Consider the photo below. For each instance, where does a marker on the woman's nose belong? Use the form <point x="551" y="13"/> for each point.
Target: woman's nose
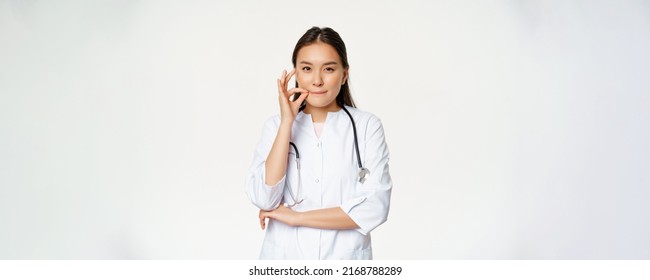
<point x="318" y="81"/>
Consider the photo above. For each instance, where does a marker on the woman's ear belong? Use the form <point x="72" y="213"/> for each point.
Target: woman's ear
<point x="345" y="77"/>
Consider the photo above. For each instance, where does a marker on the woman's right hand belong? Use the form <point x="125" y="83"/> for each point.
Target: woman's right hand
<point x="276" y="161"/>
<point x="289" y="109"/>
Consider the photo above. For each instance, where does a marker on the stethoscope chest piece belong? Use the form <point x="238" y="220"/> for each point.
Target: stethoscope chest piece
<point x="362" y="174"/>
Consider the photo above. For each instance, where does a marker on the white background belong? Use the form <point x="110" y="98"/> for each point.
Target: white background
<point x="517" y="129"/>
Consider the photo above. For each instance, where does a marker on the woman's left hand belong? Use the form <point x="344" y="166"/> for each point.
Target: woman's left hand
<point x="281" y="214"/>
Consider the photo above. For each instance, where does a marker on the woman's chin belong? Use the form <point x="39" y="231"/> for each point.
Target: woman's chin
<point x="320" y="104"/>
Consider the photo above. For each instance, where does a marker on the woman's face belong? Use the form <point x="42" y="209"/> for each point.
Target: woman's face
<point x="320" y="71"/>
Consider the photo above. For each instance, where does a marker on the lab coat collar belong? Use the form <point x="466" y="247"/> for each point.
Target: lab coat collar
<point x="304" y="117"/>
<point x="305" y="123"/>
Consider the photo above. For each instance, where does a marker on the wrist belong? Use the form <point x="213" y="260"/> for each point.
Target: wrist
<point x="299" y="219"/>
<point x="288" y="123"/>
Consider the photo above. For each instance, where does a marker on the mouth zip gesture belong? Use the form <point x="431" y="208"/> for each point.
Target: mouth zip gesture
<point x="289" y="108"/>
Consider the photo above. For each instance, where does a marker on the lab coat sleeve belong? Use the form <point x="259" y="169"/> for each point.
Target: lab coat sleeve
<point x="370" y="205"/>
<point x="264" y="196"/>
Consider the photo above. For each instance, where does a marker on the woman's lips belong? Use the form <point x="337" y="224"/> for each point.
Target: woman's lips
<point x="317" y="92"/>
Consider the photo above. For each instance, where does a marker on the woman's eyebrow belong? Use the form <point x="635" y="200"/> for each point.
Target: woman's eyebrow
<point x="326" y="63"/>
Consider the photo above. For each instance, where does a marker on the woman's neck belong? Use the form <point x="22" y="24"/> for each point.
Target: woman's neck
<point x="320" y="114"/>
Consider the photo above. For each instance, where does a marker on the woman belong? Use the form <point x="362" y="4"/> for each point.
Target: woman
<point x="305" y="176"/>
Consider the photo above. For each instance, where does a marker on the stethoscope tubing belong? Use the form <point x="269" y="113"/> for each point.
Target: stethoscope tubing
<point x="362" y="171"/>
<point x="356" y="142"/>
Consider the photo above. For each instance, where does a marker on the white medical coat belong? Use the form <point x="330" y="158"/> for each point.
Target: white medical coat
<point x="329" y="179"/>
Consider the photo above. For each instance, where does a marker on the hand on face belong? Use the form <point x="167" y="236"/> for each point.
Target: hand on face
<point x="320" y="71"/>
<point x="289" y="109"/>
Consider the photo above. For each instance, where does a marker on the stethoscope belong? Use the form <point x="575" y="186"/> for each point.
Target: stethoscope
<point x="363" y="172"/>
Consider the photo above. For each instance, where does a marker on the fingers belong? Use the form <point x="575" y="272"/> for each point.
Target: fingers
<point x="283" y="82"/>
<point x="292" y="91"/>
<point x="263" y="215"/>
<point x="289" y="106"/>
<point x="286" y="97"/>
<point x="262" y="218"/>
<point x="302" y="97"/>
<point x="286" y="81"/>
<point x="287" y="76"/>
<point x="280" y="89"/>
<point x="284" y="78"/>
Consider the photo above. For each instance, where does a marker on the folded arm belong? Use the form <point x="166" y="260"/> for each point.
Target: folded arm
<point x="328" y="218"/>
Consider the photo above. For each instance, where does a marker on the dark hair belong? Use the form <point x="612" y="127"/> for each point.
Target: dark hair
<point x="328" y="36"/>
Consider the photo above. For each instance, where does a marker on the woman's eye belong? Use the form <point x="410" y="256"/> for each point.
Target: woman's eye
<point x="306" y="68"/>
<point x="329" y="69"/>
